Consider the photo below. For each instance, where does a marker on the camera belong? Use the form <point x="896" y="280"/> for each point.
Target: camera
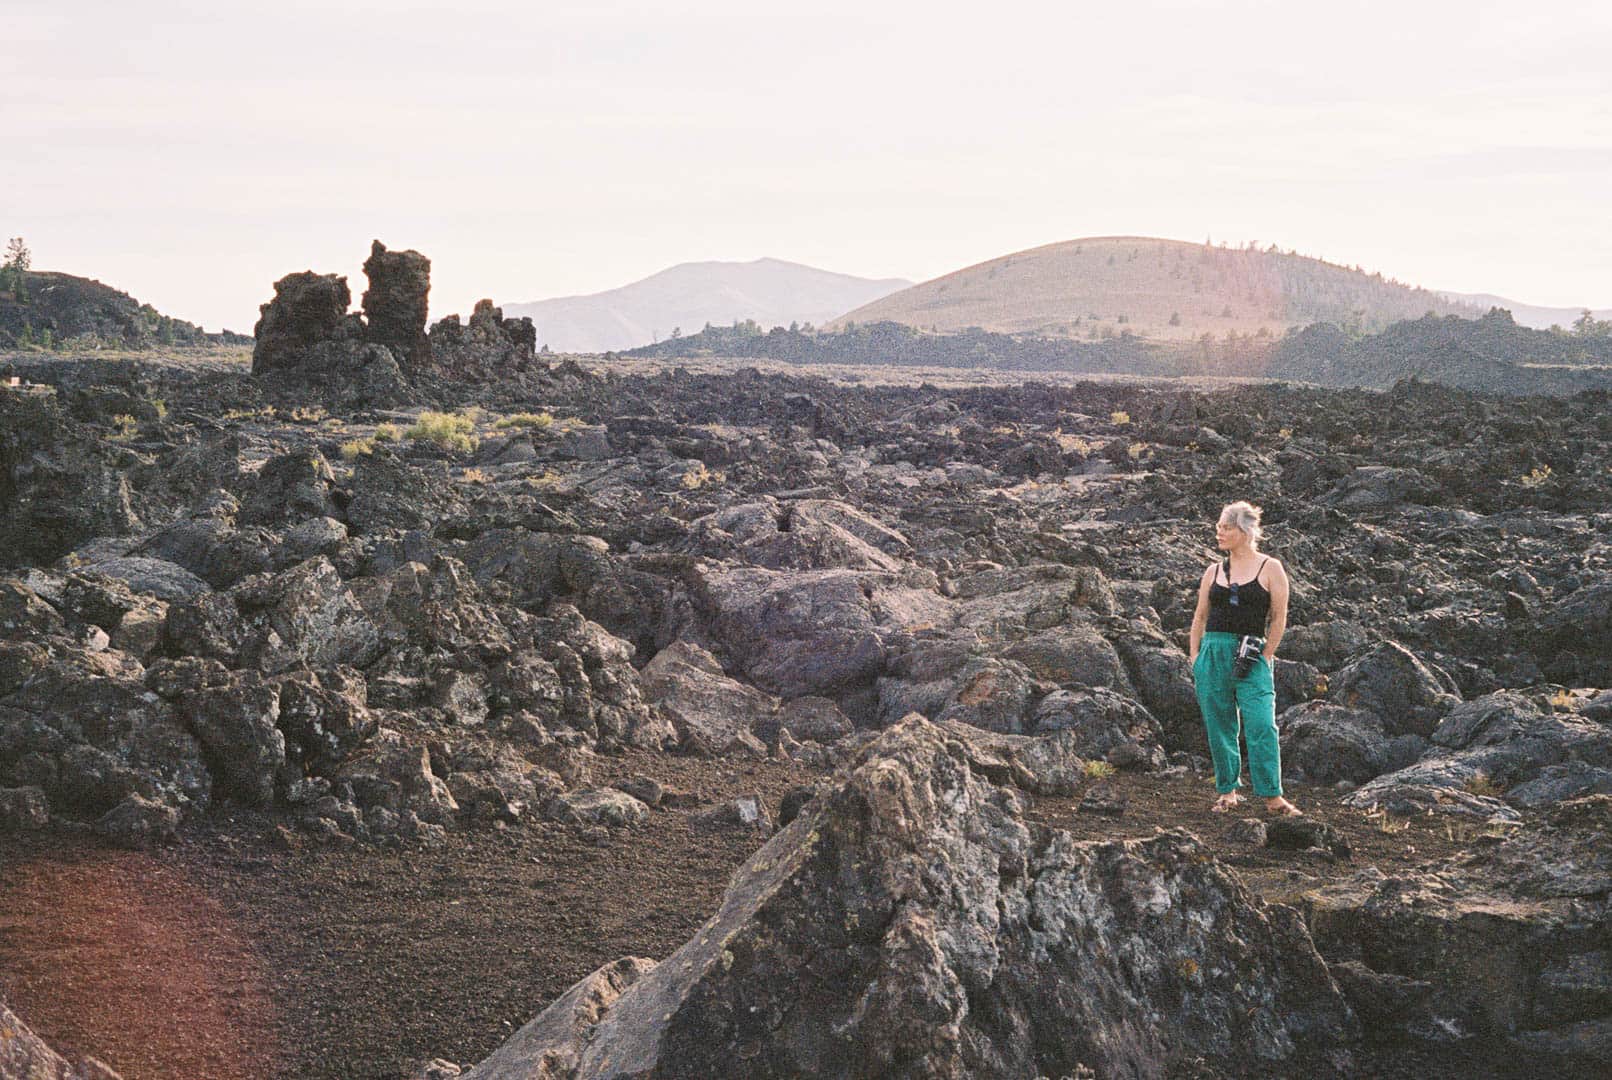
<point x="1248" y="650"/>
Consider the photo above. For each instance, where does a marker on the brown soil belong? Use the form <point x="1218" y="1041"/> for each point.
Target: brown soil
<point x="235" y="954"/>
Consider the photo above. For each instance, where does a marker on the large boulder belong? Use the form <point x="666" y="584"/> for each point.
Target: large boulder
<point x="307" y="340"/>
<point x="1327" y="645"/>
<point x="155" y="577"/>
<point x="290" y="487"/>
<point x="997" y="695"/>
<point x="1074" y="654"/>
<point x="324" y="717"/>
<point x="538" y="566"/>
<point x="238" y="724"/>
<point x="1325" y="743"/>
<point x="800" y="632"/>
<point x="911" y="923"/>
<point x="212" y="549"/>
<point x="306" y="617"/>
<point x="1406" y="692"/>
<point x="1103" y="724"/>
<point x="710" y="712"/>
<point x="1162" y="678"/>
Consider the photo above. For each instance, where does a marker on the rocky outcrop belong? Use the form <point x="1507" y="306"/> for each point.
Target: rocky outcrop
<point x="487" y="347"/>
<point x="308" y="310"/>
<point x="911" y="923"/>
<point x="85" y="730"/>
<point x="1498" y="744"/>
<point x="1511" y="939"/>
<point x="379" y="355"/>
<point x="396" y="304"/>
<point x="59" y="485"/>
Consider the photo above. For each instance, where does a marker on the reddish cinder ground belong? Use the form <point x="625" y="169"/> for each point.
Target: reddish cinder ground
<point x="117" y="954"/>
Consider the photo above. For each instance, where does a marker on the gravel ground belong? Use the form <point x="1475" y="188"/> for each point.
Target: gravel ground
<point x="236" y="954"/>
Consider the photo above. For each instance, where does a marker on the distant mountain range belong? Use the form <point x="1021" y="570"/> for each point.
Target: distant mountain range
<point x="1531" y="315"/>
<point x="685" y="297"/>
<point x="1160" y="290"/>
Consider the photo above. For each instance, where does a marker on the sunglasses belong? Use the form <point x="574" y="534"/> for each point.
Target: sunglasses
<point x="1233" y="585"/>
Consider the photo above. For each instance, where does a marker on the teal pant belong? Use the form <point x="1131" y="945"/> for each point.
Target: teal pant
<point x="1222" y="697"/>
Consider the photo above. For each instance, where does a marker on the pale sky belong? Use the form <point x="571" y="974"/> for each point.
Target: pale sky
<point x="191" y="153"/>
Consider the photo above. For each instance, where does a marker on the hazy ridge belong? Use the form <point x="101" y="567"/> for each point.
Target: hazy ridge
<point x="1165" y="290"/>
<point x="687" y="296"/>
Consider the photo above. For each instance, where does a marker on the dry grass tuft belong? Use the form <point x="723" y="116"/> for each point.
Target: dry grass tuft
<point x="451" y="431"/>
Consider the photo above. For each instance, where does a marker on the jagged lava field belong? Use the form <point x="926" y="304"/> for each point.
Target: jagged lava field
<point x="410" y="704"/>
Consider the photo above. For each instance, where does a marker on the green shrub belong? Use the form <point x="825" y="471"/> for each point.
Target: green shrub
<point x="448" y="430"/>
<point x="357" y="448"/>
<point x="538" y="421"/>
<point x="388" y="433"/>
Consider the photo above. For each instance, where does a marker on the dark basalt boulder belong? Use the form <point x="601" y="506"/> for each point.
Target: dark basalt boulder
<point x="1103" y="724"/>
<point x="1408" y="694"/>
<point x="212" y="549"/>
<point x="305" y="617"/>
<point x="155" y="577"/>
<point x="324" y="717"/>
<point x="910" y="923"/>
<point x="1328" y="645"/>
<point x="290" y="487"/>
<point x="1325" y="743"/>
<point x="396" y="303"/>
<point x="238" y="726"/>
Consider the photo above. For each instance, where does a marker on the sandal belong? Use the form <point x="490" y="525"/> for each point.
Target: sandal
<point x="1283" y="808"/>
<point x="1226" y="802"/>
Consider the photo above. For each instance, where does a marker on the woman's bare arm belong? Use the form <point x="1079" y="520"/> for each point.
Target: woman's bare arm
<point x="1278" y="619"/>
<point x="1200" y="618"/>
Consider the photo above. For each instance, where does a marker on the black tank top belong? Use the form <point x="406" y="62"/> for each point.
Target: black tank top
<point x="1248" y="615"/>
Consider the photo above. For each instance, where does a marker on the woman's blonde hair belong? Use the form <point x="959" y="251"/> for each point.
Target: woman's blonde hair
<point x="1245" y="516"/>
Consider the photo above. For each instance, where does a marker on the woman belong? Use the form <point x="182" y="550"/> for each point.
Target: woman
<point x="1245" y="594"/>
